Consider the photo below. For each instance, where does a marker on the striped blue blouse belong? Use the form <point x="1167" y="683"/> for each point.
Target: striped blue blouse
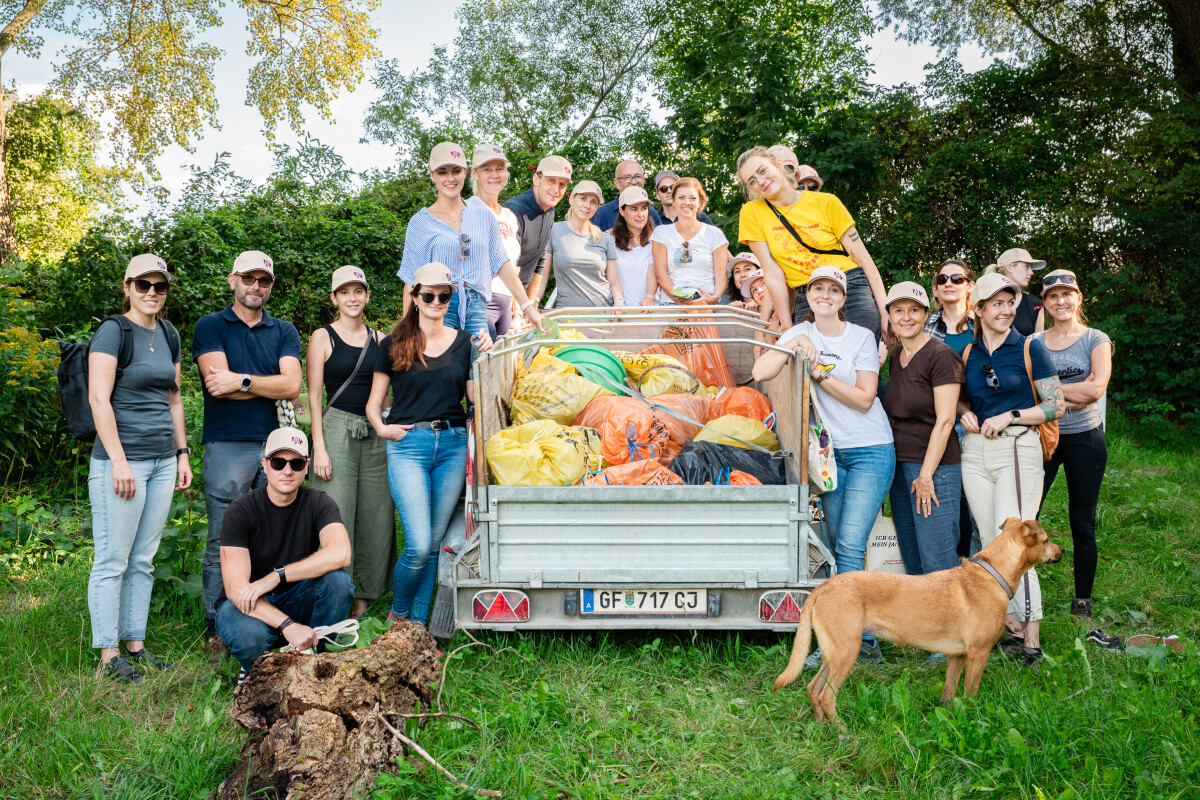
<point x="428" y="239"/>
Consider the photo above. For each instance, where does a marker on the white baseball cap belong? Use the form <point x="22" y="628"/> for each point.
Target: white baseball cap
<point x="286" y="439"/>
<point x="992" y="283"/>
<point x="434" y="273"/>
<point x="348" y="274"/>
<point x="907" y="290"/>
<point x="632" y="195"/>
<point x="588" y="187"/>
<point x="146" y="264"/>
<point x="447" y="153"/>
<point x="555" y="167"/>
<point x="830" y="273"/>
<point x="487" y="152"/>
<point x="253" y="261"/>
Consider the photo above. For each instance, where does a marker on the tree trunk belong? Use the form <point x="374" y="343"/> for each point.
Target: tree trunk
<point x="8" y="233"/>
<point x="1183" y="17"/>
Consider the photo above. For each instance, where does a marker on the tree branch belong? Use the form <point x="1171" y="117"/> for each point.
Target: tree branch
<point x="12" y="31"/>
<point x="635" y="58"/>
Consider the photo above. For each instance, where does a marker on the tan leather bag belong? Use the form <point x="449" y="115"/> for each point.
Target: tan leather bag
<point x="1047" y="431"/>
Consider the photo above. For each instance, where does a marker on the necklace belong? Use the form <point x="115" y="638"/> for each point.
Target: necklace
<point x="151" y="336"/>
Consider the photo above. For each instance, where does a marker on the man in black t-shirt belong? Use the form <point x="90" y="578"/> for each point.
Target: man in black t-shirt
<point x="284" y="551"/>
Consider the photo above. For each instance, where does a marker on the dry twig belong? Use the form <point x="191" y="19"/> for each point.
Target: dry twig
<point x="447" y="714"/>
<point x="416" y="748"/>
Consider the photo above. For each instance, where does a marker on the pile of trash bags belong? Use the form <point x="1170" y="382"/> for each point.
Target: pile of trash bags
<point x="663" y="425"/>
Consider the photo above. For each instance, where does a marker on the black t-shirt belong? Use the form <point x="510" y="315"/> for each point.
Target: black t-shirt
<point x="1025" y="319"/>
<point x="277" y="535"/>
<point x="435" y="390"/>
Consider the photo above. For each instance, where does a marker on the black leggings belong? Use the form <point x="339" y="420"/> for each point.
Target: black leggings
<point x="1083" y="457"/>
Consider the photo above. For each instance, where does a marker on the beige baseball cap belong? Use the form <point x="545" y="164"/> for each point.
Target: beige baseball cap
<point x="785" y="154"/>
<point x="991" y="283"/>
<point x="748" y="282"/>
<point x="146" y="264"/>
<point x="907" y="290"/>
<point x="348" y="274"/>
<point x="828" y="272"/>
<point x="286" y="439"/>
<point x="631" y="195"/>
<point x="447" y="153"/>
<point x="748" y="257"/>
<point x="1060" y="277"/>
<point x="555" y="167"/>
<point x="1017" y="254"/>
<point x="588" y="187"/>
<point x="253" y="261"/>
<point x="485" y="153"/>
<point x="434" y="273"/>
<point x="806" y="173"/>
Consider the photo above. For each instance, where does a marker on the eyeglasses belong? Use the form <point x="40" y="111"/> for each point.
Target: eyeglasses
<point x="1056" y="280"/>
<point x="638" y="177"/>
<point x="159" y="287"/>
<point x="989" y="375"/>
<point x="264" y="281"/>
<point x="956" y="279"/>
<point x="279" y="462"/>
<point x="441" y="297"/>
<point x="686" y="258"/>
<point x="464" y="246"/>
<point x="666" y="189"/>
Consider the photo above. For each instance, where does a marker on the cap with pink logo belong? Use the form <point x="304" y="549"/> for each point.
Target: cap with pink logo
<point x="485" y="153"/>
<point x="907" y="290"/>
<point x="348" y="274"/>
<point x="554" y="167"/>
<point x="447" y="154"/>
<point x="146" y="264"/>
<point x="286" y="439"/>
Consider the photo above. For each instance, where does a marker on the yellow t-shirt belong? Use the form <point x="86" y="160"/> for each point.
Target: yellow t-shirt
<point x="819" y="218"/>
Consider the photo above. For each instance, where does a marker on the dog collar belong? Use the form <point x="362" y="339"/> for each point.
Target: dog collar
<point x="999" y="578"/>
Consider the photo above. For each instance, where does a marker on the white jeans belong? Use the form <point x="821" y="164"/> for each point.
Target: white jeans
<point x="989" y="480"/>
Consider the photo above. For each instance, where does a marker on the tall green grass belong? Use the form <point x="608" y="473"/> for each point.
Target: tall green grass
<point x="680" y="716"/>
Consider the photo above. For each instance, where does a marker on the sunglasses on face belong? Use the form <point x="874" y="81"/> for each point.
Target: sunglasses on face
<point x="666" y="189"/>
<point x="441" y="298"/>
<point x="159" y="287"/>
<point x="279" y="462"/>
<point x="1058" y="280"/>
<point x="264" y="281"/>
<point x="956" y="279"/>
<point x="989" y="375"/>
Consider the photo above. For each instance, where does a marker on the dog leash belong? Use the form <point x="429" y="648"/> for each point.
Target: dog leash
<point x="1021" y="512"/>
<point x="331" y="633"/>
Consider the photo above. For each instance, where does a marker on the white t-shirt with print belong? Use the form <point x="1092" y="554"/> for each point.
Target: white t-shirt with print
<point x="843" y="357"/>
<point x="695" y="268"/>
<point x="507" y="221"/>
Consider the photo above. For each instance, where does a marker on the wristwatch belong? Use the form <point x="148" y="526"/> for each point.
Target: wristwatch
<point x="1016" y="415"/>
<point x="280" y="572"/>
<point x="246" y="382"/>
<point x="183" y="451"/>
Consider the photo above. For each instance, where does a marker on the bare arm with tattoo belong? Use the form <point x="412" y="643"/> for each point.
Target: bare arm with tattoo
<point x="857" y="250"/>
<point x="1052" y="406"/>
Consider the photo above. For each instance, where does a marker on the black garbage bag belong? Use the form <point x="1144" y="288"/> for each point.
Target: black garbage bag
<point x="699" y="463"/>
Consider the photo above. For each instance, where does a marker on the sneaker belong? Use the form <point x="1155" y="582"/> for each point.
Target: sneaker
<point x="1146" y="640"/>
<point x="1011" y="645"/>
<point x="1081" y="608"/>
<point x="814" y="660"/>
<point x="120" y="669"/>
<point x="869" y="653"/>
<point x="935" y="658"/>
<point x="146" y="658"/>
<point x="215" y="649"/>
<point x="1031" y="658"/>
<point x="1106" y="640"/>
<point x="243" y="673"/>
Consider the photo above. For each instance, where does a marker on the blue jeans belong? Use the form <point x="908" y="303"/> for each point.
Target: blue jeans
<point x="860" y="305"/>
<point x="314" y="602"/>
<point x="476" y="317"/>
<point x="426" y="472"/>
<point x="927" y="544"/>
<point x="231" y="469"/>
<point x="126" y="533"/>
<point x="864" y="477"/>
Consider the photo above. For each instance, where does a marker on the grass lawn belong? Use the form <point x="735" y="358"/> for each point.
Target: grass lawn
<point x="677" y="716"/>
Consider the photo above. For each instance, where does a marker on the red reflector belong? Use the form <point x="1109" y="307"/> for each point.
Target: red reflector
<point x="788" y="611"/>
<point x="781" y="605"/>
<point x="505" y="606"/>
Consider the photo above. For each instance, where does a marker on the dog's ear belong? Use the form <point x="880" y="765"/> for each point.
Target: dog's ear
<point x="1034" y="529"/>
<point x="1010" y="523"/>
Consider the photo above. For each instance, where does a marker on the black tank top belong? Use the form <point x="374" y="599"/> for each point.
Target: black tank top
<point x="338" y="367"/>
<point x="1025" y="320"/>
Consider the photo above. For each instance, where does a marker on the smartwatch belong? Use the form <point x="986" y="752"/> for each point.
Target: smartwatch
<point x="280" y="572"/>
<point x="246" y="382"/>
<point x="1016" y="415"/>
<point x="183" y="451"/>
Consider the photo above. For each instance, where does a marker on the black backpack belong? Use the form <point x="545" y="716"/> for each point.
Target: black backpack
<point x="73" y="374"/>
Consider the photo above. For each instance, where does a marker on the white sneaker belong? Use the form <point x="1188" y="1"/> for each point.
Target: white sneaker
<point x="242" y="674"/>
<point x="814" y="660"/>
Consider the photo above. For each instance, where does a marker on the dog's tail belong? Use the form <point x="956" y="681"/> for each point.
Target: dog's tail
<point x="800" y="648"/>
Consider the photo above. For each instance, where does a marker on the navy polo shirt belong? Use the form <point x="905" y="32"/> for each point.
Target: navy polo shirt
<point x="252" y="351"/>
<point x="1008" y="362"/>
<point x="606" y="215"/>
<point x="534" y="224"/>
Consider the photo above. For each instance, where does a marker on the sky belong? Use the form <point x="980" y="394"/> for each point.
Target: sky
<point x="408" y="33"/>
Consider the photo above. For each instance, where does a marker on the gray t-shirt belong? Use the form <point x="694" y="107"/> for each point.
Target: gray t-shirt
<point x="581" y="267"/>
<point x="139" y="396"/>
<point x="1074" y="364"/>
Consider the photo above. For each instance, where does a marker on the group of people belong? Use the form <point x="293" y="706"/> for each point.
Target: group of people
<point x="968" y="383"/>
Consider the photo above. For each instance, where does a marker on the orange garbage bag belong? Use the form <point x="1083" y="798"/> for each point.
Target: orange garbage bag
<point x="739" y="478"/>
<point x="743" y="401"/>
<point x="629" y="430"/>
<point x="635" y="473"/>
<point x="691" y="405"/>
<point x="708" y="362"/>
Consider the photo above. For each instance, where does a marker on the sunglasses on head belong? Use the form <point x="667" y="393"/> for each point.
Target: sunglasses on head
<point x="1057" y="280"/>
<point x="279" y="462"/>
<point x="441" y="298"/>
<point x="264" y="281"/>
<point x="687" y="254"/>
<point x="143" y="286"/>
<point x="989" y="375"/>
<point x="956" y="279"/>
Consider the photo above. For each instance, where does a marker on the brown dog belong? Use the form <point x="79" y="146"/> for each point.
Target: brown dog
<point x="959" y="612"/>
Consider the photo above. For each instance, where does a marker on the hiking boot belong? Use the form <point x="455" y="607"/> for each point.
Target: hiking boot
<point x="1031" y="658"/>
<point x="814" y="660"/>
<point x="215" y="649"/>
<point x="869" y="653"/>
<point x="120" y="669"/>
<point x="148" y="659"/>
<point x="1081" y="608"/>
<point x="1011" y="645"/>
<point x="1106" y="640"/>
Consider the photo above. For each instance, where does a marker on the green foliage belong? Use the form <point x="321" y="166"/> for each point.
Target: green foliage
<point x="35" y="532"/>
<point x="177" y="565"/>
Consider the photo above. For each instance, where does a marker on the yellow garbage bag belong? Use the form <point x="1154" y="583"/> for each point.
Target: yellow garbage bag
<point x="667" y="379"/>
<point x="568" y="333"/>
<point x="637" y="363"/>
<point x="744" y="428"/>
<point x="550" y="389"/>
<point x="541" y="453"/>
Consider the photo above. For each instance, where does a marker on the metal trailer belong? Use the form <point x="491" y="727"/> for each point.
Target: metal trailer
<point x="634" y="557"/>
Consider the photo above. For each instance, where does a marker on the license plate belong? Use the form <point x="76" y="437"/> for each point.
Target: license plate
<point x="643" y="602"/>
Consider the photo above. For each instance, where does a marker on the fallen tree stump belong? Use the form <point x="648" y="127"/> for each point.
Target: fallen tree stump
<point x="315" y="724"/>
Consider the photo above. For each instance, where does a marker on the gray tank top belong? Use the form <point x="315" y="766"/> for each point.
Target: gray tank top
<point x="1074" y="364"/>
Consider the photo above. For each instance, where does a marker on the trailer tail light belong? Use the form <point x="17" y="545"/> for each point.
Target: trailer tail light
<point x="505" y="606"/>
<point x="781" y="605"/>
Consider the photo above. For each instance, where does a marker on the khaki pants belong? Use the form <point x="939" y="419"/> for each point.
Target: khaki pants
<point x="360" y="489"/>
<point x="989" y="480"/>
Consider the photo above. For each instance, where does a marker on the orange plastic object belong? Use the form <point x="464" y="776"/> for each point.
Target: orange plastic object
<point x="707" y="362"/>
<point x="743" y="401"/>
<point x="739" y="478"/>
<point x="629" y="430"/>
<point x="691" y="405"/>
<point x="636" y="473"/>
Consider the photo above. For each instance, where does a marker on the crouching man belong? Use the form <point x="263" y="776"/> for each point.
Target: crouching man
<point x="283" y="553"/>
